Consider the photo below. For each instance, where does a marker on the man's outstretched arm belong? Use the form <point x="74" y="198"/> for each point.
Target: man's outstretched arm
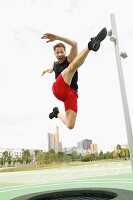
<point x="48" y="70"/>
<point x="73" y="51"/>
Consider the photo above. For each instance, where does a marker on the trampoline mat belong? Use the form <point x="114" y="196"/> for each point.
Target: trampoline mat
<point x="77" y="197"/>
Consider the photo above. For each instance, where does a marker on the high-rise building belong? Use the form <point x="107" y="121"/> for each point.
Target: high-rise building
<point x="56" y="139"/>
<point x="84" y="144"/>
<point x="94" y="148"/>
<point x="53" y="141"/>
<point x="80" y="144"/>
<point x="87" y="144"/>
<point x="60" y="147"/>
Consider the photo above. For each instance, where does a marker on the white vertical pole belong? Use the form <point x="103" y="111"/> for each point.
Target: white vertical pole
<point x="123" y="90"/>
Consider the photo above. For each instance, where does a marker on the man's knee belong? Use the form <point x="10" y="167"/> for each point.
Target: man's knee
<point x="71" y="118"/>
<point x="70" y="125"/>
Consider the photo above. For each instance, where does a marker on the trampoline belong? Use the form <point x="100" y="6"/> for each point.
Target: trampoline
<point x="80" y="194"/>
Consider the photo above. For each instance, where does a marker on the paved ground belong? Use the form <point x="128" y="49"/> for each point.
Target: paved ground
<point x="108" y="175"/>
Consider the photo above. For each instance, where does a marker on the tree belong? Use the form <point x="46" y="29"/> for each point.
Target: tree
<point x="86" y="157"/>
<point x="4" y="157"/>
<point x="115" y="154"/>
<point x="101" y="155"/>
<point x="108" y="155"/>
<point x="127" y="153"/>
<point x="124" y="153"/>
<point x="60" y="157"/>
<point x="17" y="160"/>
<point x="74" y="155"/>
<point x="52" y="156"/>
<point x="40" y="158"/>
<point x="118" y="147"/>
<point x="37" y="152"/>
<point x="26" y="157"/>
<point x="9" y="160"/>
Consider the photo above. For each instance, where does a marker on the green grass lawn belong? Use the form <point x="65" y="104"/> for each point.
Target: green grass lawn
<point x="57" y="165"/>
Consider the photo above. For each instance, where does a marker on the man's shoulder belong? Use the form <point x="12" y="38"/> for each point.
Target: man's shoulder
<point x="67" y="60"/>
<point x="55" y="65"/>
<point x="55" y="62"/>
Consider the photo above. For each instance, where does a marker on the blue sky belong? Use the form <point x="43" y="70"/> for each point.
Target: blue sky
<point x="26" y="97"/>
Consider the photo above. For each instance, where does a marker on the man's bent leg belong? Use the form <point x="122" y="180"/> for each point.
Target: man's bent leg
<point x="68" y="73"/>
<point x="56" y="114"/>
<point x="62" y="118"/>
<point x="71" y="118"/>
<point x="71" y="108"/>
<point x="68" y="119"/>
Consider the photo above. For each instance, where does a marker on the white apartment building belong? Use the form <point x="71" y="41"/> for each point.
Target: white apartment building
<point x="12" y="152"/>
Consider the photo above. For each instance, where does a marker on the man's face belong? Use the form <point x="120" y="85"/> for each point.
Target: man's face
<point x="60" y="54"/>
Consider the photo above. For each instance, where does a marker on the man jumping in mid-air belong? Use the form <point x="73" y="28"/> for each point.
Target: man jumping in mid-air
<point x="65" y="87"/>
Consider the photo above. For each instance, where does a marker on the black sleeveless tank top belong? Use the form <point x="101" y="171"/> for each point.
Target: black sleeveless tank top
<point x="59" y="67"/>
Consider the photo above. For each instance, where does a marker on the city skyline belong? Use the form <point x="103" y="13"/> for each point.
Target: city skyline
<point x="55" y="144"/>
<point x="53" y="140"/>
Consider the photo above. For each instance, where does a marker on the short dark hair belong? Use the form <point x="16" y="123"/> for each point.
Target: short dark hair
<point x="59" y="45"/>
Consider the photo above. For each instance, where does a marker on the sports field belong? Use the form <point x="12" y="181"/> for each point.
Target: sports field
<point x="104" y="175"/>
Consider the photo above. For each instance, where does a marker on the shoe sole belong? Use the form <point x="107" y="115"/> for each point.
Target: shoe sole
<point x="101" y="35"/>
<point x="51" y="115"/>
<point x="56" y="109"/>
<point x="96" y="45"/>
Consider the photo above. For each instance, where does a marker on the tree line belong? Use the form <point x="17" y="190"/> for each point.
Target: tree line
<point x="50" y="157"/>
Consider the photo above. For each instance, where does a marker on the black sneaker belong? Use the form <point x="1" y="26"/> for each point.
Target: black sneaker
<point x="94" y="44"/>
<point x="54" y="113"/>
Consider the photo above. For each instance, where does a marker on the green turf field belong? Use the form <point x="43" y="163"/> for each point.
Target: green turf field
<point x="104" y="175"/>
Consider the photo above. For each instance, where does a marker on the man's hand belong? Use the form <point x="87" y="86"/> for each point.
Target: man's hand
<point x="49" y="36"/>
<point x="44" y="72"/>
<point x="48" y="70"/>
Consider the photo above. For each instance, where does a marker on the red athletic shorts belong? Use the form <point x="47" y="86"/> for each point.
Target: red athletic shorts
<point x="65" y="93"/>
